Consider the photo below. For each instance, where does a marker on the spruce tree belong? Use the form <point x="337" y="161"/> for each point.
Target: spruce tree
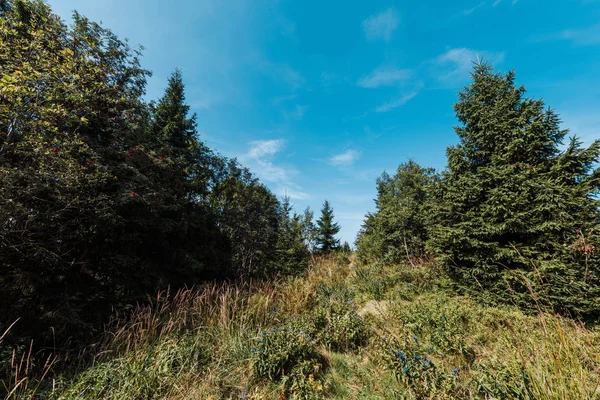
<point x="517" y="213"/>
<point x="326" y="230"/>
<point x="291" y="254"/>
<point x="175" y="133"/>
<point x="397" y="231"/>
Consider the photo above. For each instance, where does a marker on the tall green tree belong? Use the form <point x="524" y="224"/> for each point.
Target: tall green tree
<point x="397" y="231"/>
<point x="291" y="253"/>
<point x="175" y="131"/>
<point x="248" y="213"/>
<point x="327" y="228"/>
<point x="517" y="209"/>
<point x="69" y="102"/>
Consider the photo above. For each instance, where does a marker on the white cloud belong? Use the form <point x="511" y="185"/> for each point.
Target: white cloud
<point x="292" y="193"/>
<point x="259" y="159"/>
<point x="454" y="65"/>
<point x="382" y="25"/>
<point x="402" y="100"/>
<point x="262" y="148"/>
<point x="348" y="157"/>
<point x="384" y="76"/>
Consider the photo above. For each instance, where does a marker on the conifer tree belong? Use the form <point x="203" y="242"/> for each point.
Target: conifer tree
<point x="175" y="133"/>
<point x="326" y="230"/>
<point x="397" y="231"/>
<point x="291" y="254"/>
<point x="515" y="211"/>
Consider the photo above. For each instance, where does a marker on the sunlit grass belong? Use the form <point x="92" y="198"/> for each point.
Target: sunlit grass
<point x="422" y="342"/>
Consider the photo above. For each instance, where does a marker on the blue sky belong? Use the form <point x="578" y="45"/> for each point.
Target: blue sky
<point x="318" y="98"/>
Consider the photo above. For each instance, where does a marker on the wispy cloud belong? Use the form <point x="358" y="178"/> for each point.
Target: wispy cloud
<point x="384" y="76"/>
<point x="476" y="7"/>
<point x="583" y="36"/>
<point x="260" y="158"/>
<point x="346" y="158"/>
<point x="262" y="148"/>
<point x="382" y="25"/>
<point x="454" y="65"/>
<point x="398" y="102"/>
<point x="496" y="2"/>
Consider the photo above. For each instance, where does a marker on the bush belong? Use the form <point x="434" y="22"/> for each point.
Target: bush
<point x="283" y="351"/>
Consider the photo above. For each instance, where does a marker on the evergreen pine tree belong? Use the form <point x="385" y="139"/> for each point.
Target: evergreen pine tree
<point x="326" y="230"/>
<point x="398" y="230"/>
<point x="291" y="254"/>
<point x="516" y="213"/>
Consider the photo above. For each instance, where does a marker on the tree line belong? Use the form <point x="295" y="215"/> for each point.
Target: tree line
<point x="106" y="198"/>
<point x="514" y="217"/>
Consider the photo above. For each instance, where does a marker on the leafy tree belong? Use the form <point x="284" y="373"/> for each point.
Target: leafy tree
<point x="397" y="231"/>
<point x="308" y="228"/>
<point x="105" y="198"/>
<point x="515" y="204"/>
<point x="326" y="230"/>
<point x="68" y="99"/>
<point x="248" y="213"/>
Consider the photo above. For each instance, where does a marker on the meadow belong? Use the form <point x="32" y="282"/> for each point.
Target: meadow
<point x="340" y="331"/>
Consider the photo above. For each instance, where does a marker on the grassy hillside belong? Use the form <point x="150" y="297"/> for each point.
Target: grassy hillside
<point x="342" y="331"/>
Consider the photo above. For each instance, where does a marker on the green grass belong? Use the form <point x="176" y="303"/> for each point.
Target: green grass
<point x="339" y="332"/>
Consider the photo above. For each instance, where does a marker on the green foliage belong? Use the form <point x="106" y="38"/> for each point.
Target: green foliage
<point x="104" y="198"/>
<point x="517" y="215"/>
<point x="291" y="253"/>
<point x="335" y="321"/>
<point x="397" y="231"/>
<point x="142" y="374"/>
<point x="285" y="351"/>
<point x="69" y="98"/>
<point x="326" y="230"/>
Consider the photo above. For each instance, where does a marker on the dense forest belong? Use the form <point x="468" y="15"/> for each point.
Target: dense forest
<point x="107" y="199"/>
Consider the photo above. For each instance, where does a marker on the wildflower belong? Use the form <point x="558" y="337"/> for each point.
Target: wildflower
<point x="416" y="356"/>
<point x="54" y="149"/>
<point x="416" y="340"/>
<point x="401" y="356"/>
<point x="430" y="363"/>
<point x="454" y="371"/>
<point x="405" y="369"/>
